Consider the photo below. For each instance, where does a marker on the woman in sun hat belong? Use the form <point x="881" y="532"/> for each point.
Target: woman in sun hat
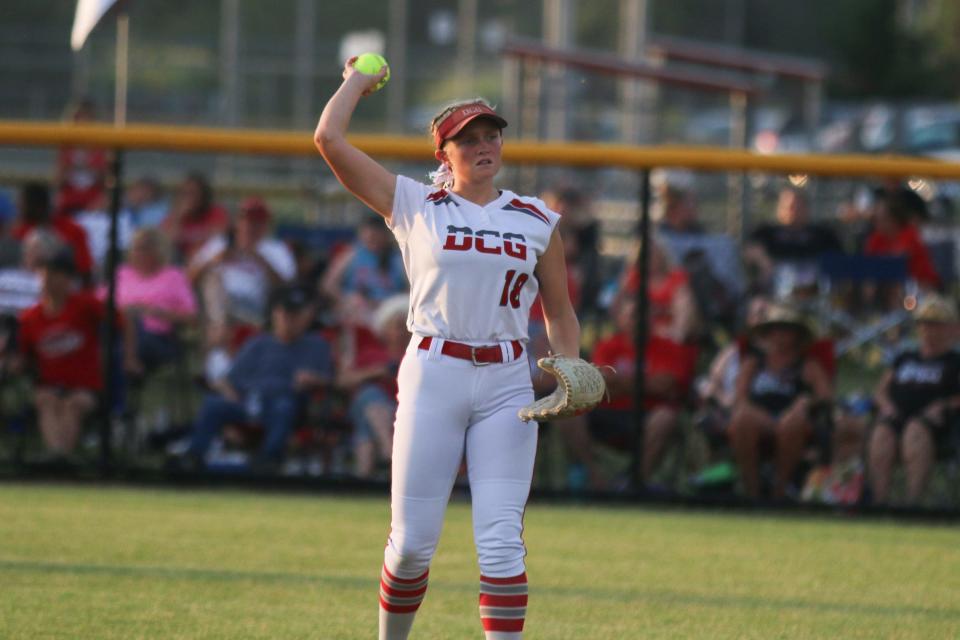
<point x="779" y="389"/>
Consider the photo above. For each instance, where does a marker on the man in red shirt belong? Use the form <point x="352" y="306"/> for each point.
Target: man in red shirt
<point x="35" y="211"/>
<point x="670" y="369"/>
<point x="60" y="338"/>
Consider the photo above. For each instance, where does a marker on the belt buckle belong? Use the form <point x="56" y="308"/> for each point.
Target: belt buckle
<point x="473" y="357"/>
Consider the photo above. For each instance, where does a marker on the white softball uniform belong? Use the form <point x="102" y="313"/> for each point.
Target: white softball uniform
<point x="471" y="271"/>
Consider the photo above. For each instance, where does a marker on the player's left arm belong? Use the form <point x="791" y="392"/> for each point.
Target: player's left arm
<point x="563" y="328"/>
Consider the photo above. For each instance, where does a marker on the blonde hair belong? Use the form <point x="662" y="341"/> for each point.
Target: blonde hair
<point x="153" y="238"/>
<point x="442" y="178"/>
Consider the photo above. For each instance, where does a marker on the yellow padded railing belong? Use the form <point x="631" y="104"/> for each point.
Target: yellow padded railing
<point x="419" y="148"/>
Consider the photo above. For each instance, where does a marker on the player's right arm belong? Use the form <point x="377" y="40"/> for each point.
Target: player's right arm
<point x="363" y="176"/>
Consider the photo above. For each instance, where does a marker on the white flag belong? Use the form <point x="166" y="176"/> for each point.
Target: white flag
<point x="89" y="13"/>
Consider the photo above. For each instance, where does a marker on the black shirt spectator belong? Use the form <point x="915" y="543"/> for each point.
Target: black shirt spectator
<point x="920" y="380"/>
<point x="788" y="249"/>
<point x="806" y="242"/>
<point x="917" y="402"/>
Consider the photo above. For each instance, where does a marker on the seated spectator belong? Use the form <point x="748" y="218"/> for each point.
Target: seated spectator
<point x="673" y="310"/>
<point x="718" y="392"/>
<point x="96" y="224"/>
<point x="144" y="205"/>
<point x="917" y="402"/>
<point x="194" y="218"/>
<point x="236" y="273"/>
<point x="669" y="371"/>
<point x="675" y="206"/>
<point x="368" y="363"/>
<point x="895" y="233"/>
<point x="60" y="338"/>
<point x="268" y="382"/>
<point x="580" y="231"/>
<point x="156" y="296"/>
<point x="20" y="286"/>
<point x="143" y="208"/>
<point x="781" y="390"/>
<point x="35" y="212"/>
<point x="80" y="172"/>
<point x="784" y="255"/>
<point x="367" y="273"/>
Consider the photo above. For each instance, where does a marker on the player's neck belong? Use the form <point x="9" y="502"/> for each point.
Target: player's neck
<point x="480" y="194"/>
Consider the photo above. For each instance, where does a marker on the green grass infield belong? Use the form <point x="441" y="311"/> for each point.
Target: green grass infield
<point x="104" y="563"/>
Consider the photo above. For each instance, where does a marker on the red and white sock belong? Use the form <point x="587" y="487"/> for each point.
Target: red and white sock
<point x="399" y="600"/>
<point x="503" y="606"/>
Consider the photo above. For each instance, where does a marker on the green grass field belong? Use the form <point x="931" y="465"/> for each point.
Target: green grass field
<point x="81" y="562"/>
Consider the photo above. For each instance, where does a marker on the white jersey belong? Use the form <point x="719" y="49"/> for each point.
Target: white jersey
<point x="470" y="267"/>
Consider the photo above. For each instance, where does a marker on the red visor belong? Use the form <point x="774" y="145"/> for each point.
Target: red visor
<point x="461" y="117"/>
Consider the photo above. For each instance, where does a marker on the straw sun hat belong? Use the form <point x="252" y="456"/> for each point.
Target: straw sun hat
<point x="935" y="308"/>
<point x="785" y="316"/>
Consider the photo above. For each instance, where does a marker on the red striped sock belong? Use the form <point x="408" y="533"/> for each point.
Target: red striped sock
<point x="401" y="595"/>
<point x="503" y="604"/>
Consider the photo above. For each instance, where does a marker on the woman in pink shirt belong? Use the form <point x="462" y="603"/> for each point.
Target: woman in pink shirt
<point x="157" y="294"/>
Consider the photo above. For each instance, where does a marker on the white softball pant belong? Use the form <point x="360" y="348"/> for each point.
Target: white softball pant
<point x="449" y="407"/>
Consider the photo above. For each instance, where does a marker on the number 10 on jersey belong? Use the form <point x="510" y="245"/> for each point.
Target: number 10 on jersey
<point x="512" y="287"/>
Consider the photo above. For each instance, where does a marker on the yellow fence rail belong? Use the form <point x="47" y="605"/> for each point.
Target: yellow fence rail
<point x="418" y="148"/>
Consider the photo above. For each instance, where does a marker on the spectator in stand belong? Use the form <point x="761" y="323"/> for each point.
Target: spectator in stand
<point x="917" y="402"/>
<point x="20" y="286"/>
<point x="35" y="212"/>
<point x="367" y="368"/>
<point x="581" y="235"/>
<point x="895" y="233"/>
<point x="368" y="272"/>
<point x="144" y="208"/>
<point x="144" y="204"/>
<point x="785" y="255"/>
<point x="194" y="218"/>
<point x="156" y="296"/>
<point x="60" y="338"/>
<point x="673" y="310"/>
<point x="718" y="392"/>
<point x="675" y="206"/>
<point x="310" y="263"/>
<point x="782" y="390"/>
<point x="236" y="272"/>
<point x="668" y="375"/>
<point x="268" y="382"/>
<point x="81" y="172"/>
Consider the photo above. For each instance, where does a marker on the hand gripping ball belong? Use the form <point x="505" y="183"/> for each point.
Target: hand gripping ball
<point x="370" y="64"/>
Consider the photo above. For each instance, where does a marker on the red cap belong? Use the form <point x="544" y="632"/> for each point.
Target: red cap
<point x="255" y="208"/>
<point x="460" y="117"/>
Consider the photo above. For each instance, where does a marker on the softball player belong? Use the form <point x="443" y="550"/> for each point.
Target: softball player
<point x="476" y="258"/>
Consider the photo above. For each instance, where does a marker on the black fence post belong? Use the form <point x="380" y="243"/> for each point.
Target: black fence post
<point x="641" y="331"/>
<point x="108" y="348"/>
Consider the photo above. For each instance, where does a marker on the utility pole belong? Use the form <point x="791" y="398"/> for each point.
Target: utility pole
<point x="636" y="98"/>
<point x="230" y="82"/>
<point x="303" y="57"/>
<point x="397" y="57"/>
<point x="558" y="20"/>
<point x="467" y="45"/>
<point x="229" y="58"/>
